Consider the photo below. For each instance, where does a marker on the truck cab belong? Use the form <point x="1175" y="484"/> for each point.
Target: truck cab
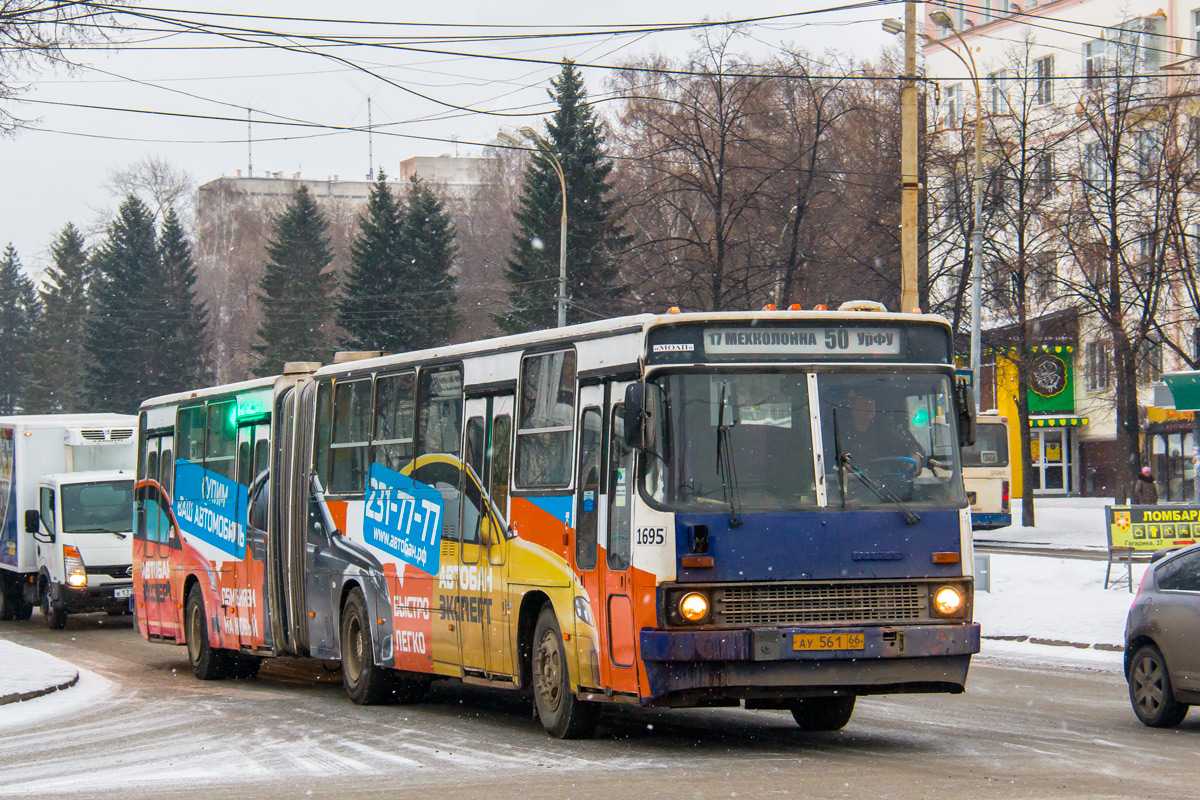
<point x="83" y="529"/>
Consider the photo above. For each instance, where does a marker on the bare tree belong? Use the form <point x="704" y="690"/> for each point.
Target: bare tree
<point x="159" y="184"/>
<point x="1118" y="225"/>
<point x="37" y="33"/>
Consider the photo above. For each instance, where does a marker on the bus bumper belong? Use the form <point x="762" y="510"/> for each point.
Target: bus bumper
<point x="987" y="522"/>
<point x="697" y="667"/>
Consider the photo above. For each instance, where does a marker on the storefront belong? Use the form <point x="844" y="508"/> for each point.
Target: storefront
<point x="1169" y="449"/>
<point x="1054" y="452"/>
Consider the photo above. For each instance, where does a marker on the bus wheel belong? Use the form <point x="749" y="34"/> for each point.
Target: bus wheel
<point x="823" y="713"/>
<point x="56" y="616"/>
<point x="563" y="715"/>
<point x="366" y="683"/>
<point x="208" y="663"/>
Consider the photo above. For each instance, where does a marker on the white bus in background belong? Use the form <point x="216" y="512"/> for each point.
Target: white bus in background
<point x="987" y="473"/>
<point x="66" y="514"/>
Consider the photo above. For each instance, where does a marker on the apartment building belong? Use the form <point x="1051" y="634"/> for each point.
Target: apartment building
<point x="1082" y="102"/>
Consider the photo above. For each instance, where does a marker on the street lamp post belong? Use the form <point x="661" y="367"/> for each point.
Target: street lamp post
<point x="943" y="19"/>
<point x="544" y="148"/>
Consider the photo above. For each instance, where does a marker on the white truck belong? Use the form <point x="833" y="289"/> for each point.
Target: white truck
<point x="66" y="514"/>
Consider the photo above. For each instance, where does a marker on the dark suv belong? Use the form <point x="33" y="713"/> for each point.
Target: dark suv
<point x="1162" y="640"/>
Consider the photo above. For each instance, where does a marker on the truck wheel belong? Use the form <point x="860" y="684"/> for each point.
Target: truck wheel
<point x="563" y="715"/>
<point x="823" y="713"/>
<point x="208" y="663"/>
<point x="56" y="615"/>
<point x="366" y="683"/>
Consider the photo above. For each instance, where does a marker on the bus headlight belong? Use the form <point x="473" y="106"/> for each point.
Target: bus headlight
<point x="693" y="607"/>
<point x="948" y="601"/>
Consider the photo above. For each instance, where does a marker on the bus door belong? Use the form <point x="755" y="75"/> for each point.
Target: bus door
<point x="591" y="525"/>
<point x="615" y="567"/>
<point x="252" y="441"/>
<point x="158" y="537"/>
<point x="480" y="609"/>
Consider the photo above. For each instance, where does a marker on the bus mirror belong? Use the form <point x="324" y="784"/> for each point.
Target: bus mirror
<point x="32" y="521"/>
<point x="965" y="400"/>
<point x="642" y="400"/>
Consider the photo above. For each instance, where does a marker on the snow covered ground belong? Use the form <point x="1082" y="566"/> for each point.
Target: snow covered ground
<point x="28" y="670"/>
<point x="1061" y="522"/>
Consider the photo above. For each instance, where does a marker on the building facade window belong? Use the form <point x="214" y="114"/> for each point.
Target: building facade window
<point x="1098" y="366"/>
<point x="953" y="104"/>
<point x="1045" y="273"/>
<point x="1093" y="62"/>
<point x="996" y="87"/>
<point x="1043" y="172"/>
<point x="1044" y="70"/>
<point x="1196" y="32"/>
<point x="1149" y="362"/>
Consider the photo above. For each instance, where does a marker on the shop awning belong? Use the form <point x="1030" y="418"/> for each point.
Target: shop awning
<point x="1185" y="388"/>
<point x="1056" y="420"/>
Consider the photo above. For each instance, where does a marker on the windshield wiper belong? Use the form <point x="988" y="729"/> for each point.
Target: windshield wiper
<point x="837" y="454"/>
<point x="725" y="466"/>
<point x="879" y="488"/>
<point x="96" y="530"/>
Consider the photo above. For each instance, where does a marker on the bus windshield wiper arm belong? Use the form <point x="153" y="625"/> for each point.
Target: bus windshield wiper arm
<point x="837" y="454"/>
<point x="725" y="466"/>
<point x="881" y="491"/>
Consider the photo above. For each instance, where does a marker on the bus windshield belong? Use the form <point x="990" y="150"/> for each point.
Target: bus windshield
<point x="895" y="430"/>
<point x="767" y="438"/>
<point x="98" y="507"/>
<point x="990" y="448"/>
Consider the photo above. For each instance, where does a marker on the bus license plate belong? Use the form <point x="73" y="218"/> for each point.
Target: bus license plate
<point x="121" y="594"/>
<point x="827" y="641"/>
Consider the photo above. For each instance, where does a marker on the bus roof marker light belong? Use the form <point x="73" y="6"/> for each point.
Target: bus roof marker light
<point x="820" y="307"/>
<point x="673" y="310"/>
<point x="769" y="307"/>
<point x="795" y="307"/>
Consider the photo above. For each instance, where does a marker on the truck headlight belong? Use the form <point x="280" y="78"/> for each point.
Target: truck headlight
<point x="73" y="567"/>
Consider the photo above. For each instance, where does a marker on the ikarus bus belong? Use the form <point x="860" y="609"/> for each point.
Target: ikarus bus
<point x="762" y="509"/>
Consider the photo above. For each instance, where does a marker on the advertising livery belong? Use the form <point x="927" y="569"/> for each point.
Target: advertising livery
<point x="763" y="509"/>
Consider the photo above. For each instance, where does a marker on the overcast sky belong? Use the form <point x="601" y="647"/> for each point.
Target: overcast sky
<point x="54" y="174"/>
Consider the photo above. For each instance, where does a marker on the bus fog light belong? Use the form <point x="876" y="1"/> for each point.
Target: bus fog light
<point x="77" y="579"/>
<point x="948" y="601"/>
<point x="693" y="607"/>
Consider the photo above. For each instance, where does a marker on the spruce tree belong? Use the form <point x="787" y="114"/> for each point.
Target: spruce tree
<point x="594" y="236"/>
<point x="429" y="247"/>
<point x="182" y="352"/>
<point x="370" y="306"/>
<point x="60" y="355"/>
<point x="19" y="309"/>
<point x="122" y="327"/>
<point x="296" y="288"/>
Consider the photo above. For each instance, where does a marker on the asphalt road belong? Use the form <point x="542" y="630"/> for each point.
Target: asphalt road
<point x="292" y="733"/>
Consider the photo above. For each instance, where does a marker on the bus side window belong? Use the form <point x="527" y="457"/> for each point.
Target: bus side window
<point x="590" y="438"/>
<point x="475" y="435"/>
<point x="262" y="452"/>
<point x="243" y="456"/>
<point x="324" y="427"/>
<point x="221" y="448"/>
<point x="152" y="459"/>
<point x="351" y="436"/>
<point x="546" y="422"/>
<point x="621" y="487"/>
<point x="392" y="441"/>
<point x="191" y="434"/>
<point x="439" y="415"/>
<point x="500" y="462"/>
<point x="166" y="466"/>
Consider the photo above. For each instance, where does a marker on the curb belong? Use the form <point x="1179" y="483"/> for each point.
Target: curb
<point x="19" y="697"/>
<point x="1108" y="648"/>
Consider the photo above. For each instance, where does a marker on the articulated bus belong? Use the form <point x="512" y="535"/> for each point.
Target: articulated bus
<point x="987" y="473"/>
<point x="756" y="508"/>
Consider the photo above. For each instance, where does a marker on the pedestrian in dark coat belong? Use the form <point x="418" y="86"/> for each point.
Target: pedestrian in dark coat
<point x="1145" y="493"/>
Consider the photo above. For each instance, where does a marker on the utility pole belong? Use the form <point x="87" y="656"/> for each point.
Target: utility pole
<point x="249" y="148"/>
<point x="370" y="144"/>
<point x="909" y="177"/>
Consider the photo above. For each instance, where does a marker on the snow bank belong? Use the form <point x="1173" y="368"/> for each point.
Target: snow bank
<point x="29" y="670"/>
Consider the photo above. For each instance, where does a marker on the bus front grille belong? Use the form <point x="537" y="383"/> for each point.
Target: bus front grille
<point x="808" y="603"/>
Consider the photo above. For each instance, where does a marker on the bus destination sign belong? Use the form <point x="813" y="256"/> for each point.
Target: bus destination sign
<point x="791" y="342"/>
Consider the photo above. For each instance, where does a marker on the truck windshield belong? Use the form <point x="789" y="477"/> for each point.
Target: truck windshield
<point x="898" y="430"/>
<point x="105" y="507"/>
<point x="761" y="461"/>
